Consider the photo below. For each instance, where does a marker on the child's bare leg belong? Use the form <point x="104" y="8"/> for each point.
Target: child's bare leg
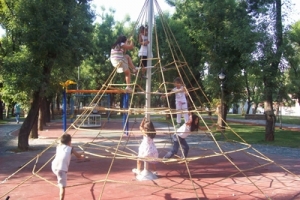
<point x="130" y="63"/>
<point x="139" y="165"/>
<point x="127" y="77"/>
<point x="144" y="71"/>
<point x="61" y="193"/>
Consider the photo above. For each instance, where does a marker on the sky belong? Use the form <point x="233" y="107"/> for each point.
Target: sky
<point x="131" y="7"/>
<point x="134" y="7"/>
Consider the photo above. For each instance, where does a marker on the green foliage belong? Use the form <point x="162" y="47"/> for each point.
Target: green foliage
<point x="226" y="40"/>
<point x="293" y="56"/>
<point x="94" y="70"/>
<point x="253" y="135"/>
<point x="19" y="69"/>
<point x="45" y="41"/>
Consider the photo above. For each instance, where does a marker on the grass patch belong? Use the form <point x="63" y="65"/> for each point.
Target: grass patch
<point x="3" y="121"/>
<point x="256" y="135"/>
<point x="284" y="119"/>
<point x="6" y="120"/>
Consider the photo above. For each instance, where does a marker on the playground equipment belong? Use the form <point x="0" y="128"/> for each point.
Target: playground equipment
<point x="103" y="145"/>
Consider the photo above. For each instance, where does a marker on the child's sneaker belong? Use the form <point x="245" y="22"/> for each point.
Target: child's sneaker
<point x="129" y="89"/>
<point x="134" y="71"/>
<point x="136" y="171"/>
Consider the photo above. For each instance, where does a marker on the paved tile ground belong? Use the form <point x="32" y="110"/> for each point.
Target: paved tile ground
<point x="212" y="177"/>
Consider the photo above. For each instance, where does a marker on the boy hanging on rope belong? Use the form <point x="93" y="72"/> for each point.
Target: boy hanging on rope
<point x="180" y="100"/>
<point x="61" y="162"/>
<point x="120" y="59"/>
<point x="147" y="149"/>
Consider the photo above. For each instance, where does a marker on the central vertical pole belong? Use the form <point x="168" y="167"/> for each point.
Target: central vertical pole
<point x="147" y="174"/>
<point x="149" y="56"/>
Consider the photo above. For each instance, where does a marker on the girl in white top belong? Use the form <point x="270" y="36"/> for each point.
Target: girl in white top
<point x="61" y="162"/>
<point x="180" y="100"/>
<point x="147" y="149"/>
<point x="121" y="60"/>
<point x="143" y="40"/>
<point x="143" y="52"/>
<point x="179" y="137"/>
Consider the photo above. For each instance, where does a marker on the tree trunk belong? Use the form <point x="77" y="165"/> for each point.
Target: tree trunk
<point x="254" y="111"/>
<point x="57" y="102"/>
<point x="6" y="111"/>
<point x="12" y="111"/>
<point x="34" y="131"/>
<point x="269" y="114"/>
<point x="32" y="117"/>
<point x="277" y="112"/>
<point x="269" y="81"/>
<point x="1" y="110"/>
<point x="40" y="124"/>
<point x="270" y="125"/>
<point x="224" y="115"/>
<point x="52" y="111"/>
<point x="248" y="106"/>
<point x="29" y="122"/>
<point x="219" y="114"/>
<point x="47" y="110"/>
<point x="42" y="114"/>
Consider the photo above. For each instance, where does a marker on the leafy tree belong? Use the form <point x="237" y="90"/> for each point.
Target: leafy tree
<point x="223" y="32"/>
<point x="293" y="57"/>
<point x="174" y="44"/>
<point x="43" y="37"/>
<point x="270" y="50"/>
<point x="96" y="68"/>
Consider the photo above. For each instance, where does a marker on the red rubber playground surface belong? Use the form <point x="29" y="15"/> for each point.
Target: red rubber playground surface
<point x="212" y="178"/>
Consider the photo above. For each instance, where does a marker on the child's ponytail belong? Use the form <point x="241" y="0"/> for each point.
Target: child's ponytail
<point x="149" y="129"/>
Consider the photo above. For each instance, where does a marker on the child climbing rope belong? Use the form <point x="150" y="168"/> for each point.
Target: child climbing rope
<point x="120" y="59"/>
<point x="180" y="100"/>
<point x="179" y="137"/>
<point x="143" y="52"/>
<point x="147" y="149"/>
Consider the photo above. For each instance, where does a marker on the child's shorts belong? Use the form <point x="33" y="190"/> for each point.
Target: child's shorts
<point x="121" y="64"/>
<point x="61" y="177"/>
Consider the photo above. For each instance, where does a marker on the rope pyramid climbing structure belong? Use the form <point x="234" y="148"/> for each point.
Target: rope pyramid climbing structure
<point x="116" y="141"/>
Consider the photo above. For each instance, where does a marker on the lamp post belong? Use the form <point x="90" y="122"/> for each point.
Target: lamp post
<point x="222" y="77"/>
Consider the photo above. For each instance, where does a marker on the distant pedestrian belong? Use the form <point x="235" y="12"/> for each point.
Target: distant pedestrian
<point x="61" y="162"/>
<point x="17" y="112"/>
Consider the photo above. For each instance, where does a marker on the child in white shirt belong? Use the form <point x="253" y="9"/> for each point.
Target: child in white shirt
<point x="61" y="162"/>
